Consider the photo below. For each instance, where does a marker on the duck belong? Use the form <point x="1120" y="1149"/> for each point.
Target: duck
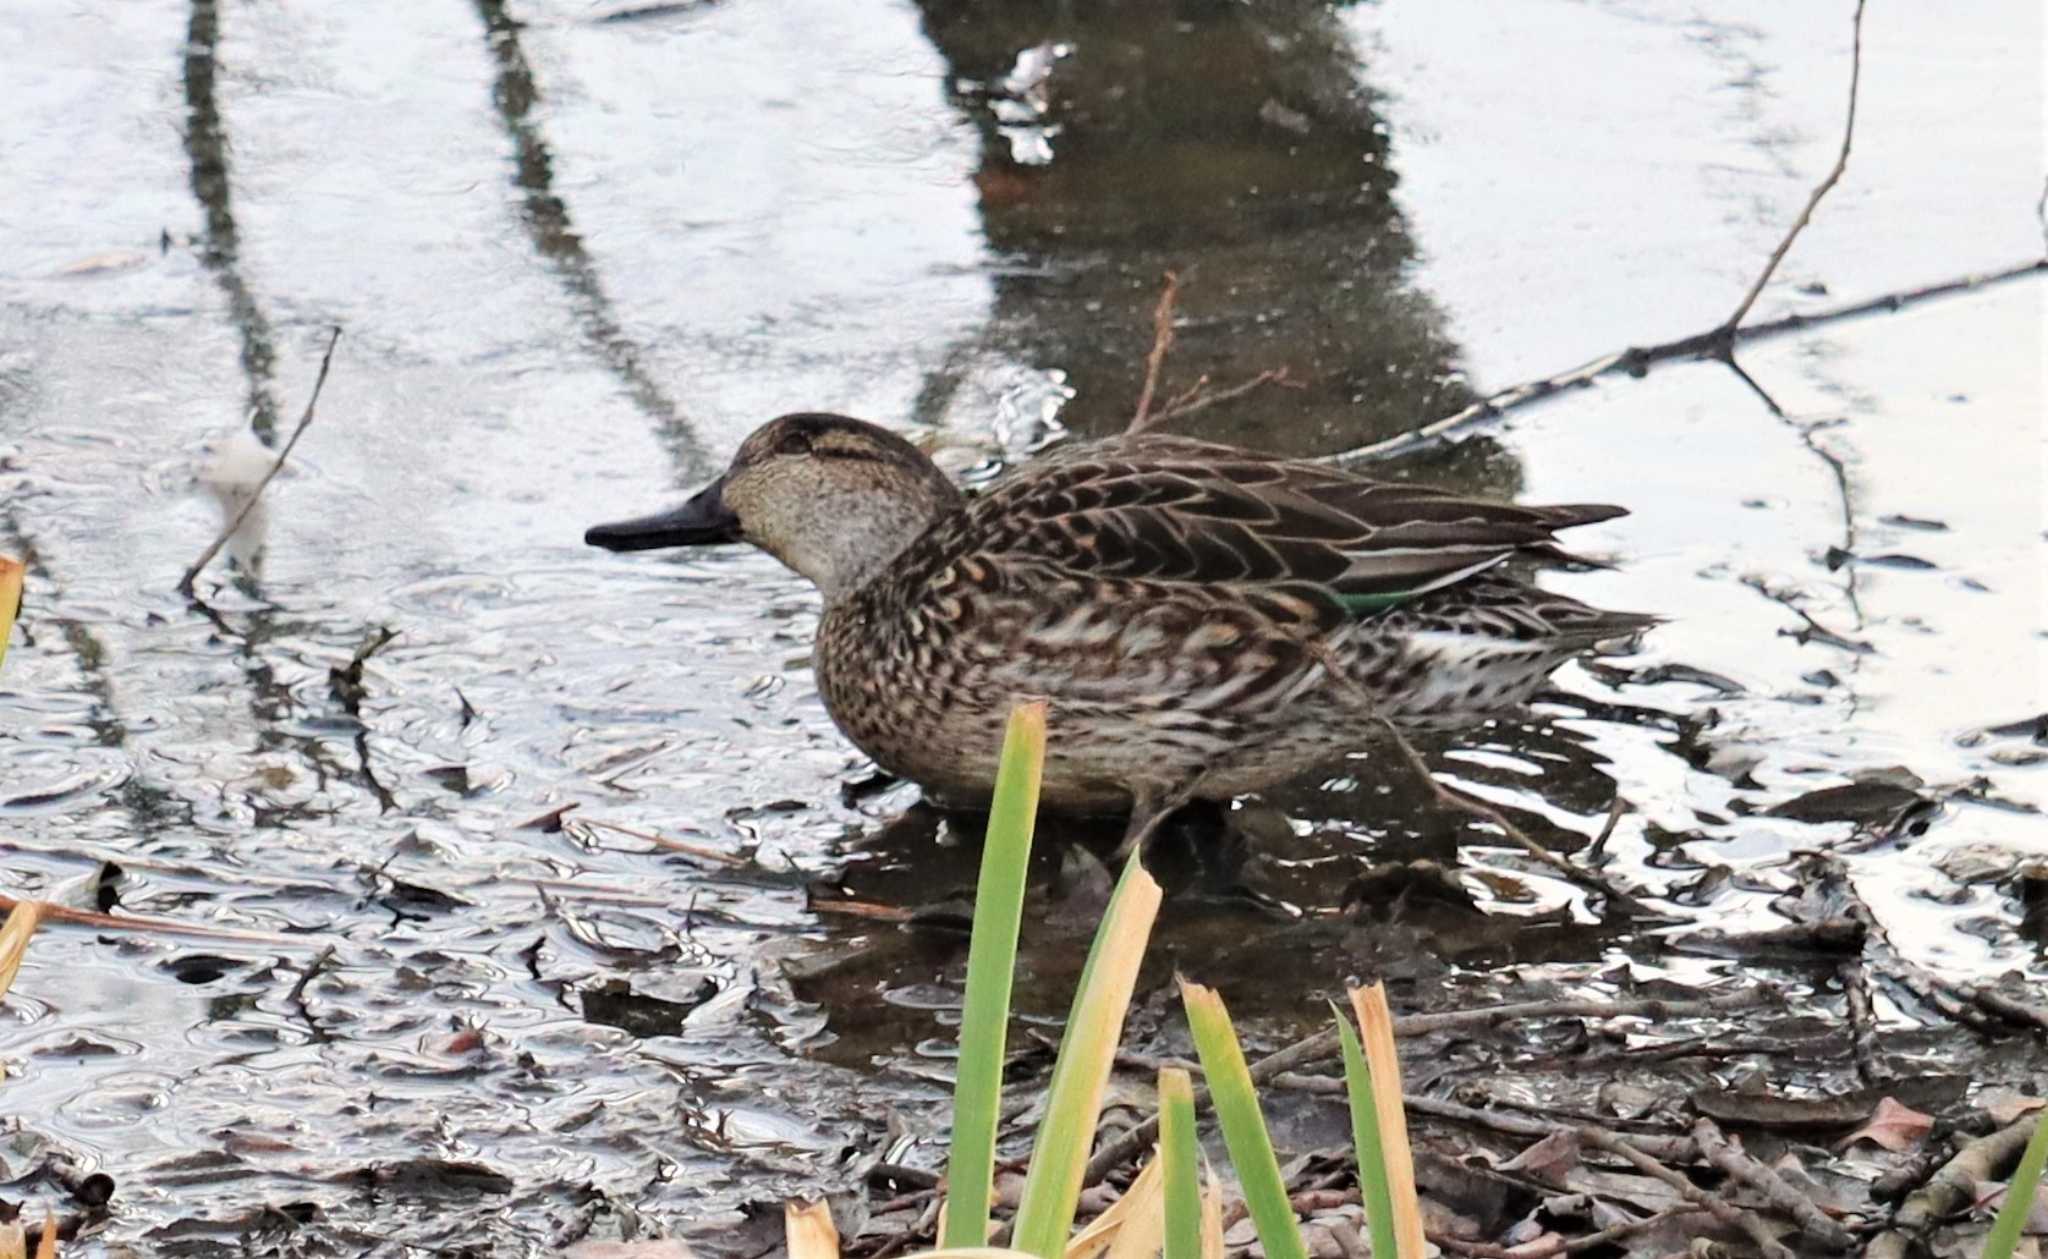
<point x="1203" y="621"/>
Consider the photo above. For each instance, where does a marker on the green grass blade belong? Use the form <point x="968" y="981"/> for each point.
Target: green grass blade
<point x="2004" y="1237"/>
<point x="1181" y="1155"/>
<point x="991" y="966"/>
<point x="1073" y="1101"/>
<point x="1365" y="1134"/>
<point x="1236" y="1101"/>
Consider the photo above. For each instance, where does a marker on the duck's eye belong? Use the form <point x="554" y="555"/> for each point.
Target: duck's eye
<point x="794" y="442"/>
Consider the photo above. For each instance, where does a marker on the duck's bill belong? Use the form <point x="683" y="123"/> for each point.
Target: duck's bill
<point x="703" y="521"/>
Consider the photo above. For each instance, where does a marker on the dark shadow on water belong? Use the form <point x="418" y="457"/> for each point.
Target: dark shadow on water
<point x="1325" y="880"/>
<point x="514" y="93"/>
<point x="207" y="146"/>
<point x="1234" y="145"/>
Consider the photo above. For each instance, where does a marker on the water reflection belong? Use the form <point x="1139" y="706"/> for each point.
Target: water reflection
<point x="207" y="145"/>
<point x="545" y="216"/>
<point x="1233" y="144"/>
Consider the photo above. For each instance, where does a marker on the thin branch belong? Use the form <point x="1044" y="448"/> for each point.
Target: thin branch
<point x="1546" y="1248"/>
<point x="124" y="922"/>
<point x="1155" y="362"/>
<point x="313" y="970"/>
<point x="1821" y="190"/>
<point x="1590" y="880"/>
<point x="1954" y="1186"/>
<point x="1505" y="1122"/>
<point x="1862" y="1017"/>
<point x="1723" y="1210"/>
<point x="1770" y="403"/>
<point x="1596" y="852"/>
<point x="700" y="851"/>
<point x="1324" y="1045"/>
<point x="192" y="573"/>
<point x="1814" y="631"/>
<point x="1637" y="360"/>
<point x="1200" y="399"/>
<point x="1717" y="1149"/>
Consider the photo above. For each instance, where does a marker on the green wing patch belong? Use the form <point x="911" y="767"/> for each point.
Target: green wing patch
<point x="1362" y="606"/>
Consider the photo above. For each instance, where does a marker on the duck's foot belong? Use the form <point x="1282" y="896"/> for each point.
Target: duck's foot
<point x="1195" y="848"/>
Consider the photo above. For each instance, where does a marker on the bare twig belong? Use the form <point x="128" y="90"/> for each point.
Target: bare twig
<point x="192" y="573"/>
<point x="1196" y="397"/>
<point x="1722" y="1209"/>
<point x="1862" y="1017"/>
<point x="1814" y="631"/>
<point x="1820" y="190"/>
<point x="1324" y="656"/>
<point x="1155" y="362"/>
<point x="1637" y="360"/>
<point x="1717" y="1149"/>
<point x="1199" y="398"/>
<point x="1978" y="1008"/>
<point x="1556" y="1245"/>
<point x="1591" y="880"/>
<point x="298" y="993"/>
<point x="1597" y="850"/>
<point x="700" y="851"/>
<point x="1323" y="1045"/>
<point x="1506" y="1122"/>
<point x="1742" y="374"/>
<point x="1954" y="1186"/>
<point x="165" y="926"/>
<point x="1921" y="981"/>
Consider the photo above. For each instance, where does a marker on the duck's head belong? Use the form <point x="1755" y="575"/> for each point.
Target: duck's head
<point x="833" y="498"/>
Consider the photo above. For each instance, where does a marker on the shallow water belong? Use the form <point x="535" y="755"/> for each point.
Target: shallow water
<point x="578" y="251"/>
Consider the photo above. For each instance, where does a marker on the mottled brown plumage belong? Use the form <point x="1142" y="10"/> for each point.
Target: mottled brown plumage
<point x="1181" y="604"/>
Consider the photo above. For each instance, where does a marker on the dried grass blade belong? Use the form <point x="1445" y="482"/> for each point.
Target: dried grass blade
<point x="1129" y="1221"/>
<point x="1144" y="1227"/>
<point x="46" y="1245"/>
<point x="1074" y="1099"/>
<point x="14" y="938"/>
<point x="1212" y="1217"/>
<point x="11" y="573"/>
<point x="808" y="1230"/>
<point x="166" y="926"/>
<point x="1376" y="1027"/>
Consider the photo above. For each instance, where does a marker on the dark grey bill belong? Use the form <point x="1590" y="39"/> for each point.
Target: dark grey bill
<point x="703" y="521"/>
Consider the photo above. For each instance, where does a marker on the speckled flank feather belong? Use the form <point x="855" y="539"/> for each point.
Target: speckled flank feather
<point x="1181" y="604"/>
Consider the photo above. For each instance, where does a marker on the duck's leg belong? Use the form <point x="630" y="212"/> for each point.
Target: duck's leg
<point x="1151" y="805"/>
<point x="1198" y="849"/>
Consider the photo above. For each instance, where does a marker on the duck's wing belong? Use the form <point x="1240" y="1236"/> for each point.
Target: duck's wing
<point x="1172" y="510"/>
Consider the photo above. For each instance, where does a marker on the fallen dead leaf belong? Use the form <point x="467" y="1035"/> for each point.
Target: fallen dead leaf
<point x="1550" y="1159"/>
<point x="2006" y="1105"/>
<point x="1894" y="1126"/>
